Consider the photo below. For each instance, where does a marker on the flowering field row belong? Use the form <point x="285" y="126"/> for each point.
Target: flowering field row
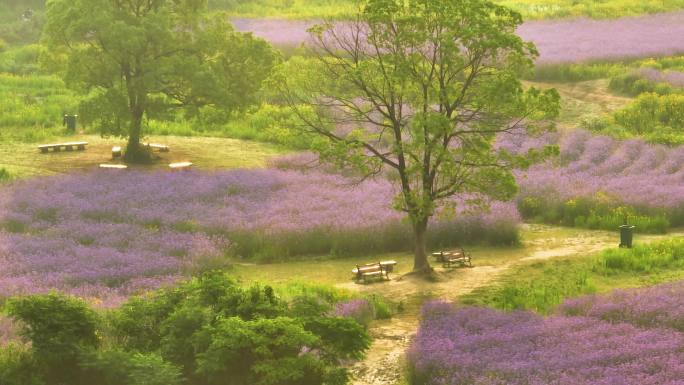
<point x="598" y="174"/>
<point x="485" y="346"/>
<point x="113" y="234"/>
<point x="659" y="306"/>
<point x="558" y="41"/>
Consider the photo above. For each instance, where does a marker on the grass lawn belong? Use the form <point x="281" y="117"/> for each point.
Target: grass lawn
<point x="539" y="244"/>
<point x="582" y="99"/>
<point x="24" y="159"/>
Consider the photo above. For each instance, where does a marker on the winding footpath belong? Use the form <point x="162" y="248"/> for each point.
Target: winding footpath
<point x="384" y="362"/>
<point x="558" y="41"/>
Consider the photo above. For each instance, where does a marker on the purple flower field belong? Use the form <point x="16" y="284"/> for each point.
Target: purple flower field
<point x="482" y="346"/>
<point x="558" y="41"/>
<point x="674" y="78"/>
<point x="108" y="235"/>
<point x="658" y="306"/>
<point x="633" y="172"/>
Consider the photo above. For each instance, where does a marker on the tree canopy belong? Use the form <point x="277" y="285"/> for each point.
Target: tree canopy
<point x="423" y="88"/>
<point x="139" y="59"/>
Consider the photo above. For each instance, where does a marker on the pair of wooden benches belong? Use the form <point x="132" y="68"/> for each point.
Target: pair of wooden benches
<point x="449" y="259"/>
<point x="373" y="271"/>
<point x="68" y="146"/>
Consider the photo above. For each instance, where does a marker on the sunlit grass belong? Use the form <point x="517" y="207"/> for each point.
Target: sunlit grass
<point x="24" y="159"/>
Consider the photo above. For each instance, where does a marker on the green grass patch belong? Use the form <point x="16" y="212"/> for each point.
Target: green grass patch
<point x="32" y="107"/>
<point x="600" y="212"/>
<point x="570" y="73"/>
<point x="541" y="286"/>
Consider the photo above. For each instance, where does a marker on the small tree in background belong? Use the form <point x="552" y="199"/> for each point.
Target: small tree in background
<point x="423" y="88"/>
<point x="140" y="59"/>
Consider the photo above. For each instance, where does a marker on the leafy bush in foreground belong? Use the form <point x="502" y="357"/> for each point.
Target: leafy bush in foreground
<point x="206" y="331"/>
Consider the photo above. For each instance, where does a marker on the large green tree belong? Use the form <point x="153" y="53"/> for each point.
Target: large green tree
<point x="142" y="59"/>
<point x="423" y="88"/>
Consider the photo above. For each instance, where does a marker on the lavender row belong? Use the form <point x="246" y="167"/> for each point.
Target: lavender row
<point x="108" y="235"/>
<point x="558" y="41"/>
<point x="484" y="347"/>
<point x="633" y="172"/>
<point x="658" y="306"/>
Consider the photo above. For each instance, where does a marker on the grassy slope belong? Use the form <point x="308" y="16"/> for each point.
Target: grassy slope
<point x="24" y="159"/>
<point x="582" y="99"/>
<point x="539" y="243"/>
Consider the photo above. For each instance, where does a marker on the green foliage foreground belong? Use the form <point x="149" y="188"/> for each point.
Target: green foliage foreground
<point x="207" y="331"/>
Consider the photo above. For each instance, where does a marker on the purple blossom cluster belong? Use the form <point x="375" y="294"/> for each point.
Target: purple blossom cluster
<point x="632" y="171"/>
<point x="658" y="306"/>
<point x="108" y="235"/>
<point x="359" y="309"/>
<point x="558" y="41"/>
<point x="674" y="78"/>
<point x="583" y="40"/>
<point x="483" y="346"/>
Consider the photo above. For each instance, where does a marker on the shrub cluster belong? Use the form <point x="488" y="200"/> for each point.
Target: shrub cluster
<point x="206" y="331"/>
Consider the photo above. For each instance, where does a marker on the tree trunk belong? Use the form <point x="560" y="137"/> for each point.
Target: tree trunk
<point x="420" y="260"/>
<point x="134" y="152"/>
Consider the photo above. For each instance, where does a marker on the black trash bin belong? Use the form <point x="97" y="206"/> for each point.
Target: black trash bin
<point x="626" y="235"/>
<point x="70" y="122"/>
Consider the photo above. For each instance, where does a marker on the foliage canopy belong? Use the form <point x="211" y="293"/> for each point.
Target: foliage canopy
<point x="145" y="59"/>
<point x="423" y="88"/>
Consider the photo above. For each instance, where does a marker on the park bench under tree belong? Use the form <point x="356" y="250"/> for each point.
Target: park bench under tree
<point x="57" y="147"/>
<point x="158" y="147"/>
<point x="451" y="259"/>
<point x="378" y="270"/>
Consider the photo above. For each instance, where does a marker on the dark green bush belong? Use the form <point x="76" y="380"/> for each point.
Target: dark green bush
<point x="117" y="367"/>
<point x="213" y="330"/>
<point x="60" y="329"/>
<point x="206" y="331"/>
<point x="18" y="366"/>
<point x="652" y="112"/>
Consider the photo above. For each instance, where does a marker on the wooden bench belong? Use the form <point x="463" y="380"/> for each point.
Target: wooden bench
<point x="57" y="147"/>
<point x="158" y="147"/>
<point x="114" y="166"/>
<point x="180" y="166"/>
<point x="453" y="258"/>
<point x="116" y="152"/>
<point x="370" y="271"/>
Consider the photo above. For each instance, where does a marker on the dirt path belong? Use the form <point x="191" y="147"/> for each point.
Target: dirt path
<point x="384" y="362"/>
